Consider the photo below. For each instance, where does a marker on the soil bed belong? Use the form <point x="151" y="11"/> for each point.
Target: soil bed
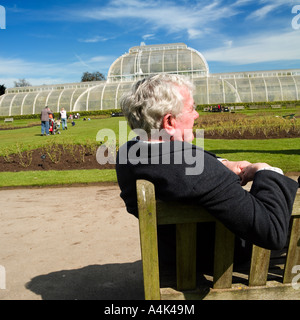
<point x="58" y="159"/>
<point x="80" y="157"/>
<point x="249" y="135"/>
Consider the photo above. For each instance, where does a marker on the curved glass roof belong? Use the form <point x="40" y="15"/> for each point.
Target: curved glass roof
<point x="145" y="60"/>
<point x="141" y="61"/>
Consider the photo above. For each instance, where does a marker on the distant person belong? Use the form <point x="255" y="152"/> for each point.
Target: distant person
<point x="63" y="118"/>
<point x="45" y="117"/>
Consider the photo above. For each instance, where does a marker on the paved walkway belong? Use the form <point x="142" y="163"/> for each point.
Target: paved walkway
<point x="69" y="243"/>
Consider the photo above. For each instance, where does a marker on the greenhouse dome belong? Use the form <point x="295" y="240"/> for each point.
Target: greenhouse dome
<point x="142" y="61"/>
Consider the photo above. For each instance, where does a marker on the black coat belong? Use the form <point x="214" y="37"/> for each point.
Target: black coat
<point x="260" y="216"/>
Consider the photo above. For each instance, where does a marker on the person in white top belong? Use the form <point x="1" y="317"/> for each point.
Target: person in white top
<point x="63" y="118"/>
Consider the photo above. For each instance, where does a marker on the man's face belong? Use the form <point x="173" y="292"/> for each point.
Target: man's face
<point x="184" y="122"/>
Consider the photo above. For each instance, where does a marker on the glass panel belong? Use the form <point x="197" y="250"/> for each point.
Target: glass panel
<point x="115" y="68"/>
<point x="65" y="99"/>
<point x="184" y="60"/>
<point x="170" y="60"/>
<point x="128" y="65"/>
<point x="200" y="95"/>
<point x="53" y="100"/>
<point x="76" y="95"/>
<point x="258" y="89"/>
<point x="231" y="94"/>
<point x="28" y="103"/>
<point x="144" y="63"/>
<point x="156" y="62"/>
<point x="5" y="105"/>
<point x="17" y="103"/>
<point x="80" y="104"/>
<point x="41" y="102"/>
<point x="124" y="88"/>
<point x="243" y="88"/>
<point x="273" y="89"/>
<point x="109" y="97"/>
<point x="95" y="98"/>
<point x="297" y="80"/>
<point x="215" y="91"/>
<point x="198" y="63"/>
<point x="288" y="88"/>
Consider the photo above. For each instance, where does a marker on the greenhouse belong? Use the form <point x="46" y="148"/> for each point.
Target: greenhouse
<point x="142" y="61"/>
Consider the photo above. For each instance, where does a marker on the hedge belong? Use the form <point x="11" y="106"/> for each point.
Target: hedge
<point x="56" y="114"/>
<point x="248" y="104"/>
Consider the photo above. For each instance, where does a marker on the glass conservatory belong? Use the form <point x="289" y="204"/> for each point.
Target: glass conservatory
<point x="142" y="61"/>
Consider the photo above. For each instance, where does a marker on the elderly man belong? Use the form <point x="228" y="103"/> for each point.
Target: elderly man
<point x="165" y="102"/>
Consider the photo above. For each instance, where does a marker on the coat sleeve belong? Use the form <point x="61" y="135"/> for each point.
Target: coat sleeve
<point x="260" y="216"/>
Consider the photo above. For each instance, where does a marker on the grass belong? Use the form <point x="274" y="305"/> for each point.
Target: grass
<point x="51" y="177"/>
<point x="283" y="153"/>
<point x="30" y="138"/>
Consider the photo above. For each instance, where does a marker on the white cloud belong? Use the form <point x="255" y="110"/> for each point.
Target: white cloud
<point x="258" y="48"/>
<point x="167" y="15"/>
<point x="38" y="73"/>
<point x="262" y="12"/>
<point x="94" y="39"/>
<point x="268" y="7"/>
<point x="148" y="36"/>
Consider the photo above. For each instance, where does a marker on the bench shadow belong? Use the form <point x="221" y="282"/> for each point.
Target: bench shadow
<point x="95" y="282"/>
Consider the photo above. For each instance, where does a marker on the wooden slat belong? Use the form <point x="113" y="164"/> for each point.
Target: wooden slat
<point x="259" y="266"/>
<point x="293" y="255"/>
<point x="224" y="252"/>
<point x="186" y="238"/>
<point x="173" y="213"/>
<point x="296" y="207"/>
<point x="148" y="238"/>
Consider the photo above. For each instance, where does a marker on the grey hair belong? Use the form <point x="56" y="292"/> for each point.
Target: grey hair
<point x="152" y="98"/>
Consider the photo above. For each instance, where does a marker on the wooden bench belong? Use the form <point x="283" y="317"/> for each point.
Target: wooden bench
<point x="256" y="107"/>
<point x="276" y="106"/>
<point x="9" y="120"/>
<point x="186" y="217"/>
<point x="239" y="107"/>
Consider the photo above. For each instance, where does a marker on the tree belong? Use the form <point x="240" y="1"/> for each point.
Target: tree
<point x="22" y="83"/>
<point x="95" y="76"/>
<point x="2" y="89"/>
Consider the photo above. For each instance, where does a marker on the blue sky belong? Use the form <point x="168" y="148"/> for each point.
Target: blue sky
<point x="51" y="42"/>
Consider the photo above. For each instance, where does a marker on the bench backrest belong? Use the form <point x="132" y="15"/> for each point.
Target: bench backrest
<point x="186" y="217"/>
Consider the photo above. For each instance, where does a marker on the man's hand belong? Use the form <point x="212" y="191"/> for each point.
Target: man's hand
<point x="236" y="166"/>
<point x="247" y="174"/>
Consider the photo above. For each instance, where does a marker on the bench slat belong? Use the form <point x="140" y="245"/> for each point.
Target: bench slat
<point x="186" y="236"/>
<point x="148" y="239"/>
<point x="293" y="255"/>
<point x="172" y="213"/>
<point x="224" y="252"/>
<point x="260" y="261"/>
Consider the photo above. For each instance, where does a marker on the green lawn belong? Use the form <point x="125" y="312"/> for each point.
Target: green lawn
<point x="283" y="153"/>
<point x="51" y="177"/>
<point x="30" y="138"/>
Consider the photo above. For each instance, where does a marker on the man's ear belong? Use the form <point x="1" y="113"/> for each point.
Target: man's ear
<point x="169" y="123"/>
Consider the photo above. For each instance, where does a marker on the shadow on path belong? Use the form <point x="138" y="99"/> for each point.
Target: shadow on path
<point x="95" y="282"/>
